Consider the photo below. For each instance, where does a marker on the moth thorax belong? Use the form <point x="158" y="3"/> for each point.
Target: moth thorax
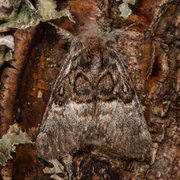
<point x="95" y="44"/>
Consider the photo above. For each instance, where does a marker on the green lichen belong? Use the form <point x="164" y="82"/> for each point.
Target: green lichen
<point x="51" y="83"/>
<point x="46" y="8"/>
<point x="24" y="14"/>
<point x="12" y="2"/>
<point x="13" y="136"/>
<point x="5" y="53"/>
<point x="124" y="8"/>
<point x="49" y="59"/>
<point x="6" y="48"/>
<point x="107" y="27"/>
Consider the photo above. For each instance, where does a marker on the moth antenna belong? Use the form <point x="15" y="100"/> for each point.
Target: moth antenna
<point x="66" y="34"/>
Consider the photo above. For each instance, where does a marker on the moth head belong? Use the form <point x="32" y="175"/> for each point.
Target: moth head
<point x="90" y="42"/>
<point x="90" y="31"/>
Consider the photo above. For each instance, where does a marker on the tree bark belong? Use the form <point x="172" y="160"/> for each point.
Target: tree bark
<point x="150" y="47"/>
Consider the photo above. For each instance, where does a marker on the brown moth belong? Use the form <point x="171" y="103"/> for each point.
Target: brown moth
<point x="93" y="102"/>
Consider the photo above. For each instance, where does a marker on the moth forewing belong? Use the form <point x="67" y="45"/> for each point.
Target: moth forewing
<point x="93" y="102"/>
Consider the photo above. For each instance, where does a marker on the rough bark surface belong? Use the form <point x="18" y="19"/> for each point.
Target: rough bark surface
<point x="151" y="49"/>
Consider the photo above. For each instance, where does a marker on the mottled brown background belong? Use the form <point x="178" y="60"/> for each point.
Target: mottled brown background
<point x="151" y="46"/>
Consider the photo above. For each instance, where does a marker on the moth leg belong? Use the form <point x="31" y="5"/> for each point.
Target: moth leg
<point x="68" y="161"/>
<point x="58" y="168"/>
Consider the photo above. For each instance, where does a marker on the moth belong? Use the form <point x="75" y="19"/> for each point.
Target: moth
<point x="93" y="102"/>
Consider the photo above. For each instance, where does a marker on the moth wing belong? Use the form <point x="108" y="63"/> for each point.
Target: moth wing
<point x="120" y="121"/>
<point x="66" y="118"/>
